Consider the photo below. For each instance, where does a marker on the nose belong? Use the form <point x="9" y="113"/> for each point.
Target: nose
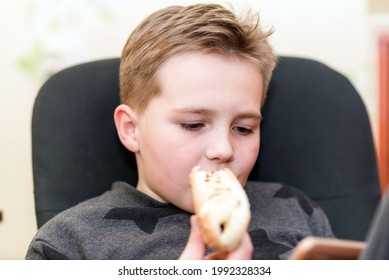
<point x="220" y="147"/>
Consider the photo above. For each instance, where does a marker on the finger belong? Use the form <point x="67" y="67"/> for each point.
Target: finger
<point x="219" y="255"/>
<point x="195" y="247"/>
<point x="244" y="251"/>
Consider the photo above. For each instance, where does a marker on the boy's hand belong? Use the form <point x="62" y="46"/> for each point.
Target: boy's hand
<point x="195" y="248"/>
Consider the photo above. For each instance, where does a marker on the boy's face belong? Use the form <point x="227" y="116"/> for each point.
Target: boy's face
<point x="207" y="114"/>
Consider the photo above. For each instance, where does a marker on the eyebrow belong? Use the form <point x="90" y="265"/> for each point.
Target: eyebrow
<point x="257" y="116"/>
<point x="209" y="112"/>
<point x="194" y="110"/>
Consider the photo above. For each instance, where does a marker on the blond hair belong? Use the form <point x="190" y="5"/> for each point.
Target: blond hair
<point x="203" y="28"/>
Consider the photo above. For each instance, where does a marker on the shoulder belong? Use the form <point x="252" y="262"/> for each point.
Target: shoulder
<point x="113" y="226"/>
<point x="282" y="215"/>
<point x="120" y="195"/>
<point x="284" y="202"/>
<point x="273" y="188"/>
<point x="60" y="236"/>
<point x="259" y="191"/>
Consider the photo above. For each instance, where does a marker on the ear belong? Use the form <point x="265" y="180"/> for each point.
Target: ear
<point x="126" y="121"/>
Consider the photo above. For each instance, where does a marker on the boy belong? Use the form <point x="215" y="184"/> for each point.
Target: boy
<point x="192" y="82"/>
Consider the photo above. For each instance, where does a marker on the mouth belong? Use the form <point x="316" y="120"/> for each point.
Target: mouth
<point x="242" y="179"/>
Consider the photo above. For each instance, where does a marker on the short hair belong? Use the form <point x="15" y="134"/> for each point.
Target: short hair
<point x="202" y="28"/>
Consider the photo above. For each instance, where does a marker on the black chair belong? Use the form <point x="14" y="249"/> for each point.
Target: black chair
<point x="377" y="242"/>
<point x="315" y="136"/>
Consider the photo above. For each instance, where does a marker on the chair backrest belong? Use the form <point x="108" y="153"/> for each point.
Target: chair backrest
<point x="315" y="136"/>
<point x="377" y="242"/>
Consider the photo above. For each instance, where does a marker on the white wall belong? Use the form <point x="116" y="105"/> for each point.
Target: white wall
<point x="39" y="37"/>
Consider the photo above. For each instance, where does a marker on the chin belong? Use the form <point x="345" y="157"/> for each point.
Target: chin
<point x="188" y="207"/>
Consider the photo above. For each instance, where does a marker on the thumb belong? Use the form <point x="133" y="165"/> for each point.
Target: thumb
<point x="195" y="248"/>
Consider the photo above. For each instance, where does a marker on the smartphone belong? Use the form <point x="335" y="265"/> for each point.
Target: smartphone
<point x="319" y="248"/>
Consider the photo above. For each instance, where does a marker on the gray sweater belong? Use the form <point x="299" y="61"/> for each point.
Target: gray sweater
<point x="124" y="223"/>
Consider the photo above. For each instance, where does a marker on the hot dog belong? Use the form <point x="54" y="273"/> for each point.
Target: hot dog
<point x="221" y="206"/>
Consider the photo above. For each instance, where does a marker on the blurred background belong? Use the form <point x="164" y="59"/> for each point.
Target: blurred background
<point x="41" y="37"/>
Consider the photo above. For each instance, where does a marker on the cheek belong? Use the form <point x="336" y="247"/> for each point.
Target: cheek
<point x="180" y="161"/>
<point x="248" y="156"/>
<point x="172" y="157"/>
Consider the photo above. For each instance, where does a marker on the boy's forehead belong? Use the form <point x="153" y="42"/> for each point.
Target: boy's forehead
<point x="189" y="80"/>
<point x="182" y="64"/>
<point x="194" y="73"/>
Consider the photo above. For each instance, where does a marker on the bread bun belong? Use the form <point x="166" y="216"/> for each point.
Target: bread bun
<point x="221" y="206"/>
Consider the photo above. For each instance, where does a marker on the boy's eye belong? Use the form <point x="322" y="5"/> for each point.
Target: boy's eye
<point x="243" y="130"/>
<point x="192" y="126"/>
